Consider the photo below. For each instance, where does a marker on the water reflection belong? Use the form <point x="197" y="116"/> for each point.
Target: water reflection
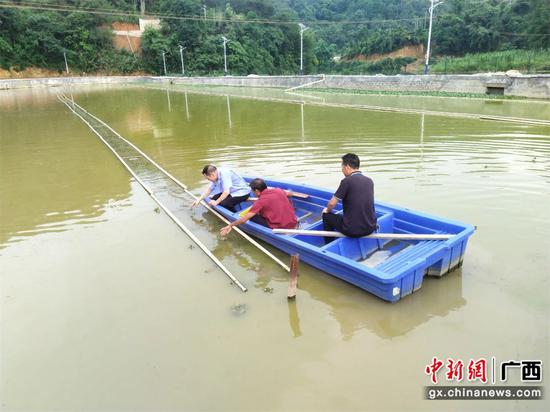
<point x="229" y="122"/>
<point x="294" y="318"/>
<point x="17" y="100"/>
<point x="53" y="177"/>
<point x="186" y="107"/>
<point x="420" y="167"/>
<point x="525" y="109"/>
<point x="168" y="100"/>
<point x="351" y="307"/>
<point x="355" y="310"/>
<point x="302" y="117"/>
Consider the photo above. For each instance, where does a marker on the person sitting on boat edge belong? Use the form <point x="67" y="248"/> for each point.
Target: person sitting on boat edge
<point x="227" y="188"/>
<point x="272" y="209"/>
<point x="356" y="191"/>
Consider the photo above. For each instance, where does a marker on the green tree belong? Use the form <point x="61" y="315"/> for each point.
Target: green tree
<point x="153" y="43"/>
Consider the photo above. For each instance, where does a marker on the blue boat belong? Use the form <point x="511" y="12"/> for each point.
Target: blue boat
<point x="389" y="269"/>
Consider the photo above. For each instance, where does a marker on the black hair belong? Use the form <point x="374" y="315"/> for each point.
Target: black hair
<point x="258" y="184"/>
<point x="351" y="160"/>
<point x="206" y="170"/>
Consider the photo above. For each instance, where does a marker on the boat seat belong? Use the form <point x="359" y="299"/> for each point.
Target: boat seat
<point x="407" y="255"/>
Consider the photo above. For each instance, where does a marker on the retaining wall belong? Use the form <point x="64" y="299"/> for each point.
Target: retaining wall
<point x="6" y="84"/>
<point x="534" y="86"/>
<point x="537" y="86"/>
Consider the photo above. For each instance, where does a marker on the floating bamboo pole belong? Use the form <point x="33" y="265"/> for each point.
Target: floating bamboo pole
<point x="68" y="103"/>
<point x="184" y="187"/>
<point x="399" y="236"/>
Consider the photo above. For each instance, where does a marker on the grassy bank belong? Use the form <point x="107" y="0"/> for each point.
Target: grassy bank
<point x="525" y="61"/>
<point x="412" y="93"/>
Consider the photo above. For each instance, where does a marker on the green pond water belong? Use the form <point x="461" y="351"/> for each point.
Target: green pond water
<point x="105" y="304"/>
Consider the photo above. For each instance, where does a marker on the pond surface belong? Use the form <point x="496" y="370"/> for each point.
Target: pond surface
<point x="532" y="109"/>
<point x="106" y="305"/>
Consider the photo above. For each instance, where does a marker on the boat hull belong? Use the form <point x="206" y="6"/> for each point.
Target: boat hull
<point x="388" y="269"/>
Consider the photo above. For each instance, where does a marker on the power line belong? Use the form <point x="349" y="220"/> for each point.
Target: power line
<point x="61" y="7"/>
<point x="522" y="34"/>
<point x="111" y="12"/>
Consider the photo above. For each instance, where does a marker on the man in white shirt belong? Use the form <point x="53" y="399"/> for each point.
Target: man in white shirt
<point x="226" y="189"/>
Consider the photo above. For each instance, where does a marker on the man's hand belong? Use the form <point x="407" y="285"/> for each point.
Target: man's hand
<point x="213" y="203"/>
<point x="330" y="205"/>
<point x="196" y="203"/>
<point x="225" y="230"/>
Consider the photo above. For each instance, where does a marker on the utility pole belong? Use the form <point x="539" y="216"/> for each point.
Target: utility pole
<point x="303" y="28"/>
<point x="142" y="7"/>
<point x="164" y="61"/>
<point x="204" y="11"/>
<point x="225" y="41"/>
<point x="432" y="7"/>
<point x="181" y="56"/>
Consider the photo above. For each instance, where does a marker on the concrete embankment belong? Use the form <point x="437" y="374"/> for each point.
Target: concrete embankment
<point x="8" y="84"/>
<point x="531" y="86"/>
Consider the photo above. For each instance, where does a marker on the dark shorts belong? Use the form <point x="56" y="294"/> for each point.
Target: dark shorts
<point x="335" y="222"/>
<point x="332" y="222"/>
<point x="259" y="220"/>
<point x="230" y="202"/>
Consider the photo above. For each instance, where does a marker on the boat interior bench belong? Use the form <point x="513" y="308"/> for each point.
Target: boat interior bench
<point x="398" y="254"/>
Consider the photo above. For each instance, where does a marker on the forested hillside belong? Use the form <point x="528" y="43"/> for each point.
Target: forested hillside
<point x="264" y="34"/>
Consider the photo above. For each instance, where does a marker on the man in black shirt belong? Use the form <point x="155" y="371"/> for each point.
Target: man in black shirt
<point x="356" y="191"/>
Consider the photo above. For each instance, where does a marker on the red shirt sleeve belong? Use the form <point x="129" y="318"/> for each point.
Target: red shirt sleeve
<point x="257" y="206"/>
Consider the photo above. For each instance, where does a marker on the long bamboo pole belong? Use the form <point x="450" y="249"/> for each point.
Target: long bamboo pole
<point x="400" y="236"/>
<point x="68" y="103"/>
<point x="184" y="187"/>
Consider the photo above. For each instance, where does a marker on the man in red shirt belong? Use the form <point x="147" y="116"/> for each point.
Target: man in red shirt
<point x="272" y="209"/>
